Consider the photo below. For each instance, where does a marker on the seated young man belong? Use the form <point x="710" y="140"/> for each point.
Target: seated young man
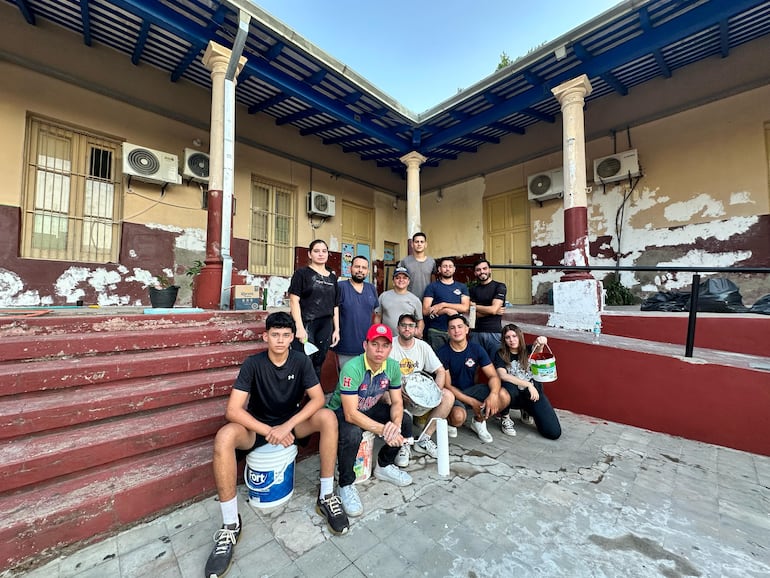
<point x="462" y="359"/>
<point x="415" y="356"/>
<point x="359" y="406"/>
<point x="264" y="408"/>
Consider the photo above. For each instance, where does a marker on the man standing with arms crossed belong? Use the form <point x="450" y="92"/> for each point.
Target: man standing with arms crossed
<point x="443" y="297"/>
<point x="421" y="267"/>
<point x="358" y="300"/>
<point x="489" y="297"/>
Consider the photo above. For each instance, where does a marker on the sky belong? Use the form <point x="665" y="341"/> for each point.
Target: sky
<point x="421" y="52"/>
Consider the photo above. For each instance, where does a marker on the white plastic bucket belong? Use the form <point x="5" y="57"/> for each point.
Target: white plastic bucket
<point x="363" y="464"/>
<point x="543" y="366"/>
<point x="269" y="475"/>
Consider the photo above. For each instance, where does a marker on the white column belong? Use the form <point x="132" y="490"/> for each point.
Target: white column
<point x="413" y="160"/>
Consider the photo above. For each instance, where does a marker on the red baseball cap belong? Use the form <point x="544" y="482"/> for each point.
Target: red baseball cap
<point x="379" y="330"/>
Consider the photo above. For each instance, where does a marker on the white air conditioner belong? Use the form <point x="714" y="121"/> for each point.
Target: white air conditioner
<point x="616" y="167"/>
<point x="320" y="204"/>
<point x="150" y="165"/>
<point x="546" y="185"/>
<point x="195" y="166"/>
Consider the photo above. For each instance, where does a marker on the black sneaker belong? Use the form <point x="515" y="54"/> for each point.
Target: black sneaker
<point x="330" y="507"/>
<point x="219" y="561"/>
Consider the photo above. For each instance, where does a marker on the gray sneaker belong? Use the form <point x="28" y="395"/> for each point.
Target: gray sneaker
<point x="393" y="475"/>
<point x="403" y="456"/>
<point x="426" y="446"/>
<point x="351" y="502"/>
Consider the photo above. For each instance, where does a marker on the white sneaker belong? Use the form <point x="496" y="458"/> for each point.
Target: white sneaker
<point x="393" y="475"/>
<point x="426" y="446"/>
<point x="507" y="426"/>
<point x="480" y="427"/>
<point x="351" y="502"/>
<point x="403" y="456"/>
<point x="451" y="431"/>
<point x="526" y="418"/>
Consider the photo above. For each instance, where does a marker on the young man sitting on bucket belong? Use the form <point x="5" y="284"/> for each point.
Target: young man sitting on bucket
<point x="264" y="408"/>
<point x="359" y="405"/>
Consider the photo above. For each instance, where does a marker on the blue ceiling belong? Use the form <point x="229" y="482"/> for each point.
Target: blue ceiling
<point x="297" y="84"/>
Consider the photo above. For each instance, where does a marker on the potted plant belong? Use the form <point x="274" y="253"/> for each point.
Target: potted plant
<point x="163" y="292"/>
<point x="192" y="272"/>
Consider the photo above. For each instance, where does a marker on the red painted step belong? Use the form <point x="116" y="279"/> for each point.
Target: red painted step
<point x="48" y="410"/>
<point x="18" y="378"/>
<point x="35" y="459"/>
<point x="40" y="522"/>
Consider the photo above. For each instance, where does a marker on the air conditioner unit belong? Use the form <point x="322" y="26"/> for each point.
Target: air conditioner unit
<point x="150" y="165"/>
<point x="616" y="167"/>
<point x="320" y="204"/>
<point x="546" y="185"/>
<point x="195" y="166"/>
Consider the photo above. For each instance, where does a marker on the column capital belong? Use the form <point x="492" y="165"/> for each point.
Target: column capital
<point x="217" y="57"/>
<point x="575" y="89"/>
<point x="413" y="159"/>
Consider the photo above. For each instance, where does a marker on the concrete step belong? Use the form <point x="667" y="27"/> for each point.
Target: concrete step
<point x="35" y="459"/>
<point x="34" y="412"/>
<point x="18" y="378"/>
<point x="43" y="520"/>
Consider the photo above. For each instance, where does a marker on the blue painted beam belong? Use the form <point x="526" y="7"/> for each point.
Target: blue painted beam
<point x="343" y="138"/>
<point x="507" y="127"/>
<point x="696" y="20"/>
<point x="484" y="138"/>
<point x="299" y="115"/>
<point x="441" y="155"/>
<point x="186" y="61"/>
<point x="616" y="85"/>
<point x="460" y="148"/>
<point x="267" y="103"/>
<point x="316" y="77"/>
<point x="549" y="118"/>
<point x="724" y="39"/>
<point x="646" y="24"/>
<point x="141" y="40"/>
<point x="85" y="17"/>
<point x="322" y="127"/>
<point x="365" y="147"/>
<point x="273" y="52"/>
<point x="352" y="97"/>
<point x="26" y="11"/>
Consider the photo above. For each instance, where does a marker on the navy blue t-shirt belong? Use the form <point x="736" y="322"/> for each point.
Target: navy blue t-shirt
<point x="356" y="310"/>
<point x="442" y="293"/>
<point x="462" y="365"/>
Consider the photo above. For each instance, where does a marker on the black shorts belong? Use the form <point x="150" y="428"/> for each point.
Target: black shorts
<point x="261" y="441"/>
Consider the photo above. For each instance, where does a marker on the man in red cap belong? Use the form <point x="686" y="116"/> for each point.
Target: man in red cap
<point x="359" y="405"/>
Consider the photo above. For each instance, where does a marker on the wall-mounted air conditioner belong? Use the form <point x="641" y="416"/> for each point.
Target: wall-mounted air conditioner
<point x="195" y="166"/>
<point x="616" y="167"/>
<point x="150" y="165"/>
<point x="545" y="185"/>
<point x="321" y="204"/>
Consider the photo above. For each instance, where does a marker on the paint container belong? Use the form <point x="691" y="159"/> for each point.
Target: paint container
<point x="543" y="365"/>
<point x="363" y="464"/>
<point x="269" y="475"/>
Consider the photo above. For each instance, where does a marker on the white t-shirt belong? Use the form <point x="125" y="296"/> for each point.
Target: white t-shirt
<point x="419" y="357"/>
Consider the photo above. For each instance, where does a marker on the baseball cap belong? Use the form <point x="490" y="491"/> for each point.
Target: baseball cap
<point x="406" y="316"/>
<point x="401" y="271"/>
<point x="379" y="330"/>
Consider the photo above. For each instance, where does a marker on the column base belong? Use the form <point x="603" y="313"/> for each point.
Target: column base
<point x="577" y="304"/>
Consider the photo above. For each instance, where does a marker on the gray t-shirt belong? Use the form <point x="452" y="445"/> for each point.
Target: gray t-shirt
<point x="392" y="305"/>
<point x="419" y="273"/>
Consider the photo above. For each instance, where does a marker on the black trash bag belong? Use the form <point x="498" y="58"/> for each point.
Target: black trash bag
<point x="666" y="301"/>
<point x="762" y="305"/>
<point x="719" y="295"/>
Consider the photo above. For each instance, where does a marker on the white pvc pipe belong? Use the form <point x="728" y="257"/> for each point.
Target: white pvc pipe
<point x="442" y="441"/>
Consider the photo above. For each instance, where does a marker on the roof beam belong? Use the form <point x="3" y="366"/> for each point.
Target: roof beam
<point x="85" y="17"/>
<point x="549" y="118"/>
<point x="316" y="77"/>
<point x="267" y="103"/>
<point x="366" y="147"/>
<point x="273" y="52"/>
<point x="644" y="20"/>
<point x="322" y="128"/>
<point x="697" y="19"/>
<point x="724" y="38"/>
<point x="460" y="148"/>
<point x="343" y="138"/>
<point x="141" y="40"/>
<point x="507" y="127"/>
<point x="26" y="11"/>
<point x="484" y="138"/>
<point x="299" y="115"/>
<point x="585" y="56"/>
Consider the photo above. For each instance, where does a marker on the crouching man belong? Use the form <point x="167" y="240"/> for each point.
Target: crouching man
<point x="264" y="408"/>
<point x="359" y="405"/>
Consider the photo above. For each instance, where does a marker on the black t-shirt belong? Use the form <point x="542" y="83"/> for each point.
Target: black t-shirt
<point x="483" y="295"/>
<point x="318" y="294"/>
<point x="275" y="392"/>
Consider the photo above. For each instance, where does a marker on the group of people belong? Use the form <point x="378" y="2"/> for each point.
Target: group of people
<point x="420" y="327"/>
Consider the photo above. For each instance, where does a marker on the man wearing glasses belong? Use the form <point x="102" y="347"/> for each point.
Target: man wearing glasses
<point x="415" y="356"/>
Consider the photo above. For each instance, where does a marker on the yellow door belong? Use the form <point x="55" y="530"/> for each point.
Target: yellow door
<point x="357" y="234"/>
<point x="507" y="242"/>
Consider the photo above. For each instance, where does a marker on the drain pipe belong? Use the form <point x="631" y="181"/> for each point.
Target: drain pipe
<point x="229" y="158"/>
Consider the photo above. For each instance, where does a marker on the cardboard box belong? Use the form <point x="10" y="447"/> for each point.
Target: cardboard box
<point x="247" y="297"/>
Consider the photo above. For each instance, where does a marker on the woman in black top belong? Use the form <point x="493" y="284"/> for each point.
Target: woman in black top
<point x="314" y="303"/>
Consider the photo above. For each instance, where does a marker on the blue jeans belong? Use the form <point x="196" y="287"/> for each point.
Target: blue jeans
<point x="489" y="341"/>
<point x="350" y="436"/>
<point x="542" y="412"/>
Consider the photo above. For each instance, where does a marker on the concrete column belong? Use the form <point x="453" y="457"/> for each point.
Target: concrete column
<point x="577" y="304"/>
<point x="412" y="160"/>
<point x="208" y="285"/>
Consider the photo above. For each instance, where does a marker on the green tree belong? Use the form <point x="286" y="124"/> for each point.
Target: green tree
<point x="505" y="60"/>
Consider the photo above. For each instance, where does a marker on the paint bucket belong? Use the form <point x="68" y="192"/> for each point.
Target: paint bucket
<point x="363" y="464"/>
<point x="543" y="365"/>
<point x="421" y="394"/>
<point x="269" y="475"/>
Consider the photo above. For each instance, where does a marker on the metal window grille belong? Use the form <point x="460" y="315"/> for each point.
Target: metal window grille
<point x="272" y="228"/>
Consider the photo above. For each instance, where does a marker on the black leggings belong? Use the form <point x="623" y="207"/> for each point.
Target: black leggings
<point x="319" y="333"/>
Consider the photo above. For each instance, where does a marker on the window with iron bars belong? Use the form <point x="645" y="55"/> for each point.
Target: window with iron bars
<point x="271" y="244"/>
<point x="72" y="194"/>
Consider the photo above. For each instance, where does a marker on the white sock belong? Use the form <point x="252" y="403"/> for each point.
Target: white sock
<point x="327" y="486"/>
<point x="229" y="511"/>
